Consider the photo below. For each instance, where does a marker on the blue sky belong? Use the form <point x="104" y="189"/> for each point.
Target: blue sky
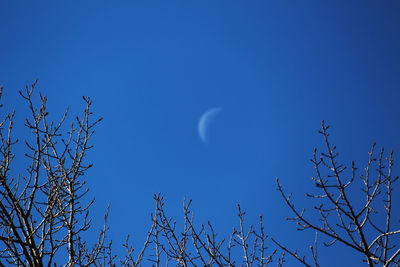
<point x="153" y="68"/>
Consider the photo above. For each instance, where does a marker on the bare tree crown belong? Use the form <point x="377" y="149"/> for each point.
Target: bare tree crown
<point x="363" y="229"/>
<point x="40" y="209"/>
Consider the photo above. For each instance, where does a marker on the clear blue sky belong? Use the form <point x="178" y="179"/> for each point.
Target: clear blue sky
<point x="153" y="68"/>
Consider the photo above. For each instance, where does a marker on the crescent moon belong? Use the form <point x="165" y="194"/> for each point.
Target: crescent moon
<point x="205" y="121"/>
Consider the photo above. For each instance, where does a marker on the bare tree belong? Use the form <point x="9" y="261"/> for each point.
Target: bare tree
<point x="369" y="228"/>
<point x="40" y="209"/>
<point x="200" y="245"/>
<point x="194" y="246"/>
